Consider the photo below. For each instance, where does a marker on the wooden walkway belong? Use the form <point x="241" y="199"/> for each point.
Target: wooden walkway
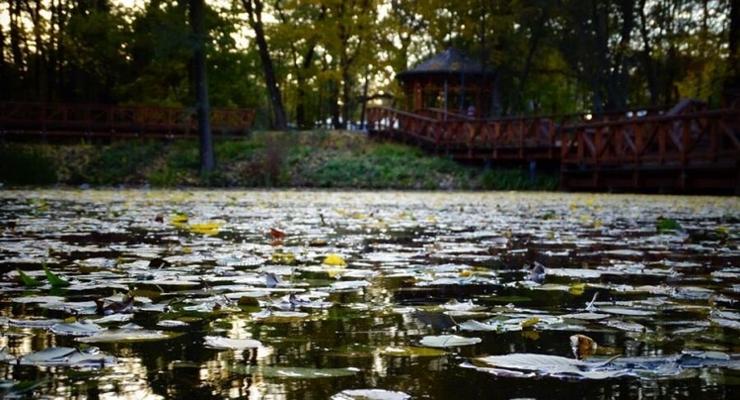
<point x="693" y="152"/>
<point x="18" y="119"/>
<point x="684" y="149"/>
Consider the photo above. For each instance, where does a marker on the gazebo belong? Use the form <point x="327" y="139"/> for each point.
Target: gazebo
<point x="450" y="81"/>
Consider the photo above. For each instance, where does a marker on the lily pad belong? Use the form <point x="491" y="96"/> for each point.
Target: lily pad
<point x="126" y="335"/>
<point x="370" y="394"/>
<point x="548" y="365"/>
<point x="76" y="329"/>
<point x="68" y="356"/>
<point x="449" y="341"/>
<point x="295" y="372"/>
<point x="222" y="343"/>
<point x="411" y="351"/>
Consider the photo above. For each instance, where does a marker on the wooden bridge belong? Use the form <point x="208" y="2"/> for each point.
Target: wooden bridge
<point x="19" y="119"/>
<point x="684" y="149"/>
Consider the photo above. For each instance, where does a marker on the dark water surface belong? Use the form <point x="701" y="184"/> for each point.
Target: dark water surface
<point x="412" y="259"/>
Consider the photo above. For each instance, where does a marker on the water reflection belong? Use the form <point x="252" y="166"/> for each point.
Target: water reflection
<point x="416" y="251"/>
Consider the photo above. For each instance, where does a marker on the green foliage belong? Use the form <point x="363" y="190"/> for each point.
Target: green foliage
<point x="121" y="161"/>
<point x="269" y="159"/>
<point x="517" y="179"/>
<point x="26" y="165"/>
<point x="27" y="280"/>
<point x="54" y="279"/>
<point x="386" y="166"/>
<point x="665" y="225"/>
<point x="550" y="57"/>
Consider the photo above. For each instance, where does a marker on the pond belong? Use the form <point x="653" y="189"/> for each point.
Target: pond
<point x="144" y="294"/>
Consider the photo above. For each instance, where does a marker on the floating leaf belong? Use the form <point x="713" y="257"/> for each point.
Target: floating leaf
<point x="222" y="343"/>
<point x="473" y="325"/>
<point x="68" y="356"/>
<point x="54" y="280"/>
<point x="370" y="394"/>
<point x="205" y="228"/>
<point x="172" y="323"/>
<point x="335" y="260"/>
<point x="277" y="234"/>
<point x="448" y="341"/>
<point x="548" y="365"/>
<point x="279" y="316"/>
<point x="586" y="316"/>
<point x="455" y="305"/>
<point x="280" y="257"/>
<point x="349" y="285"/>
<point x="582" y="346"/>
<point x="179" y="219"/>
<point x="664" y="225"/>
<point x="530" y="322"/>
<point x="126" y="335"/>
<point x="27" y="280"/>
<point x="411" y="351"/>
<point x="76" y="329"/>
<point x="577" y="289"/>
<point x="295" y="372"/>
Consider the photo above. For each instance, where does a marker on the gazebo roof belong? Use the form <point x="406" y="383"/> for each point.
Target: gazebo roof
<point x="450" y="61"/>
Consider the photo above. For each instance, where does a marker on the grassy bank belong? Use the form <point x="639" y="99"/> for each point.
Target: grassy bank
<point x="264" y="159"/>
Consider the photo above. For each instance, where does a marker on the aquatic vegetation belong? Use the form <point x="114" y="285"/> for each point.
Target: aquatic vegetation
<point x="370" y="394"/>
<point x="415" y="294"/>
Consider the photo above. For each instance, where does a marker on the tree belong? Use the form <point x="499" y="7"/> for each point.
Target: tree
<point x="254" y="10"/>
<point x="207" y="160"/>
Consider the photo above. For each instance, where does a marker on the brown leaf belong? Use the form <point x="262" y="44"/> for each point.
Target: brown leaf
<point x="582" y="346"/>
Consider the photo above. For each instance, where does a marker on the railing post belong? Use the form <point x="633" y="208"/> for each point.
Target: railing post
<point x="685" y="141"/>
<point x="661" y="131"/>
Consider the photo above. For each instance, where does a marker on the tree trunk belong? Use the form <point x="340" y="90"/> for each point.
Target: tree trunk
<point x="254" y="13"/>
<point x="537" y="34"/>
<point x="300" y="109"/>
<point x="647" y="57"/>
<point x="15" y="35"/>
<point x="207" y="159"/>
<point x="364" y="97"/>
<point x="732" y="85"/>
<point x="334" y="104"/>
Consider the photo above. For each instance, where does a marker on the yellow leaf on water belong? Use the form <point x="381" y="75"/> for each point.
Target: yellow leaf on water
<point x="280" y="257"/>
<point x="179" y="219"/>
<point x="335" y="260"/>
<point x="577" y="289"/>
<point x="530" y="322"/>
<point x="205" y="228"/>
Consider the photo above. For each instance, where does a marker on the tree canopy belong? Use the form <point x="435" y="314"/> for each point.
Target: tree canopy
<point x="328" y="58"/>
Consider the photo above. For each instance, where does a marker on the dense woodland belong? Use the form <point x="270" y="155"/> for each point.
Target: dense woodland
<point x="304" y="63"/>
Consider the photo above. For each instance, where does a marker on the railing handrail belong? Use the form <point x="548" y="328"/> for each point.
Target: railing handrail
<point x="652" y="119"/>
<point x="120" y="106"/>
<point x="552" y="117"/>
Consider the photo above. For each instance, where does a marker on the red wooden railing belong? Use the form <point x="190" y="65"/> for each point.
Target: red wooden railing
<point x="506" y="138"/>
<point x="121" y="121"/>
<point x="684" y="139"/>
<point x="684" y="148"/>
